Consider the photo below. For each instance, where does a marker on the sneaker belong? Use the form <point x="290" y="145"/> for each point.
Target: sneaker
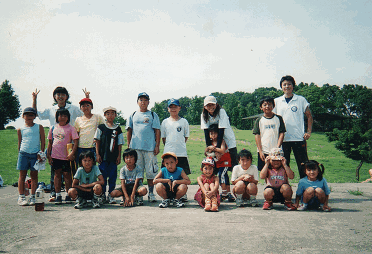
<point x="80" y="203"/>
<point x="184" y="198"/>
<point x="52" y="197"/>
<point x="267" y="205"/>
<point x="95" y="203"/>
<point x="245" y="202"/>
<point x="32" y="201"/>
<point x="239" y="202"/>
<point x="324" y="209"/>
<point x="111" y="200"/>
<point x="122" y="201"/>
<point x="302" y="208"/>
<point x="151" y="197"/>
<point x="179" y="203"/>
<point x="58" y="200"/>
<point x="164" y="203"/>
<point x="289" y="206"/>
<point x="68" y="200"/>
<point x="223" y="197"/>
<point x="138" y="201"/>
<point x="22" y="201"/>
<point x="230" y="198"/>
<point x="253" y="202"/>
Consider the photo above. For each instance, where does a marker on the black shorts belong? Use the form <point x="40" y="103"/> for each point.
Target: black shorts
<point x="278" y="196"/>
<point x="183" y="163"/>
<point x="129" y="188"/>
<point x="61" y="164"/>
<point x="170" y="194"/>
<point x="85" y="194"/>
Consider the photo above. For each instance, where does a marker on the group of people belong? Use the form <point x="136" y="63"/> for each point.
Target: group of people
<point x="77" y="135"/>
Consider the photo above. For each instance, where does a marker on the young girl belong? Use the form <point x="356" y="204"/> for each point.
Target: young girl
<point x="313" y="189"/>
<point x="222" y="160"/>
<point x="29" y="139"/>
<point x="59" y="136"/>
<point x="207" y="195"/>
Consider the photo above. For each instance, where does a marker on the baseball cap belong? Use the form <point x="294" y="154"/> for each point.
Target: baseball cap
<point x="173" y="102"/>
<point x="143" y="94"/>
<point x="276" y="154"/>
<point x="29" y="110"/>
<point x="109" y="108"/>
<point x="169" y="154"/>
<point x="210" y="99"/>
<point x="208" y="161"/>
<point x="86" y="100"/>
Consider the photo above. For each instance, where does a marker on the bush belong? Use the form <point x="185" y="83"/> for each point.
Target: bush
<point x="10" y="127"/>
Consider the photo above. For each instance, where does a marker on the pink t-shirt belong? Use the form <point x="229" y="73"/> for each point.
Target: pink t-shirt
<point x="61" y="136"/>
<point x="276" y="178"/>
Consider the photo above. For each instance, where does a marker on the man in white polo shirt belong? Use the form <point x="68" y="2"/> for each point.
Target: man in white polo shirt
<point x="292" y="108"/>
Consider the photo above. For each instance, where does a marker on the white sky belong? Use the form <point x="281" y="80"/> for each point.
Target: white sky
<point x="117" y="49"/>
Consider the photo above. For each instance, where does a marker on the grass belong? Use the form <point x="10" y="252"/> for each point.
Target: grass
<point x="338" y="168"/>
<point x="356" y="192"/>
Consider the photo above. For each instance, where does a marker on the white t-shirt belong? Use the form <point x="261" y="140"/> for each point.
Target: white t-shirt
<point x="87" y="128"/>
<point x="293" y="116"/>
<point x="50" y="114"/>
<point x="239" y="171"/>
<point x="222" y="119"/>
<point x="174" y="133"/>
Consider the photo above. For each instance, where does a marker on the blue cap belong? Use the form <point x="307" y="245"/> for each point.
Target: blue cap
<point x="143" y="95"/>
<point x="174" y="102"/>
<point x="29" y="110"/>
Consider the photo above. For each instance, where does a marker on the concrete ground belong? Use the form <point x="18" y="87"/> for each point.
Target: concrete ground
<point x="114" y="229"/>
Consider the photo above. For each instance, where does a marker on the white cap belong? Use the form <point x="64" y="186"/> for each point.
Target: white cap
<point x="210" y="99"/>
<point x="109" y="108"/>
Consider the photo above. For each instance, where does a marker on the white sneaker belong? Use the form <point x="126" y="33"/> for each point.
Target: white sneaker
<point x="164" y="203"/>
<point x="138" y="201"/>
<point x="253" y="202"/>
<point x="239" y="202"/>
<point x="111" y="200"/>
<point x="32" y="201"/>
<point x="95" y="203"/>
<point x="22" y="201"/>
<point x="151" y="197"/>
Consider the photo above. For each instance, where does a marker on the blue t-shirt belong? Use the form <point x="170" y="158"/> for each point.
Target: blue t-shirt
<point x="87" y="178"/>
<point x="305" y="183"/>
<point x="176" y="175"/>
<point x="143" y="125"/>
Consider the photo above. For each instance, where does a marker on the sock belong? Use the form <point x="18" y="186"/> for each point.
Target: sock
<point x="22" y="195"/>
<point x="253" y="196"/>
<point x="151" y="189"/>
<point x="239" y="196"/>
<point x="58" y="194"/>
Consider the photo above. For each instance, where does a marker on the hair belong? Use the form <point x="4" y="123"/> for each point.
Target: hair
<point x="60" y="89"/>
<point x="215" y="113"/>
<point x="245" y="153"/>
<point x="86" y="154"/>
<point x="287" y="78"/>
<point x="313" y="164"/>
<point x="213" y="127"/>
<point x="267" y="99"/>
<point x="63" y="111"/>
<point x="130" y="152"/>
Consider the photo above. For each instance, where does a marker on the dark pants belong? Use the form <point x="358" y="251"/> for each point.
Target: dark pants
<point x="300" y="152"/>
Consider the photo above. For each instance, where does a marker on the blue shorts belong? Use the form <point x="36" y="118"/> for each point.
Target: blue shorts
<point x="26" y="161"/>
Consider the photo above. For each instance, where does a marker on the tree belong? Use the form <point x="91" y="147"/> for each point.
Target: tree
<point x="119" y="118"/>
<point x="9" y="105"/>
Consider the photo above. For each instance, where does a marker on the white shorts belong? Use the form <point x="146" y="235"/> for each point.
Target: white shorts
<point x="148" y="161"/>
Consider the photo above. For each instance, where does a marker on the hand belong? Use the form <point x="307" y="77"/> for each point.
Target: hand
<point x="50" y="160"/>
<point x="39" y="158"/>
<point x="209" y="149"/>
<point x="173" y="185"/>
<point x="245" y="178"/>
<point x="87" y="93"/>
<point x="250" y="178"/>
<point x="132" y="199"/>
<point x="118" y="160"/>
<point x="267" y="160"/>
<point x="284" y="162"/>
<point x="326" y="207"/>
<point x="98" y="159"/>
<point x="70" y="157"/>
<point x="307" y="135"/>
<point x="262" y="156"/>
<point x="209" y="194"/>
<point x="127" y="202"/>
<point x="156" y="150"/>
<point x="34" y="94"/>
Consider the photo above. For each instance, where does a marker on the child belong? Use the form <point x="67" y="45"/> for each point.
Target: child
<point x="223" y="161"/>
<point x="59" y="136"/>
<point x="245" y="178"/>
<point x="85" y="185"/>
<point x="207" y="195"/>
<point x="143" y="135"/>
<point x="86" y="127"/>
<point x="174" y="133"/>
<point x="131" y="177"/>
<point x="313" y="189"/>
<point x="109" y="140"/>
<point x="276" y="173"/>
<point x="29" y="139"/>
<point x="171" y="182"/>
<point x="369" y="179"/>
<point x="269" y="130"/>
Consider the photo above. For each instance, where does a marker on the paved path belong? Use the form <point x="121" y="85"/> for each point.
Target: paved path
<point x="113" y="229"/>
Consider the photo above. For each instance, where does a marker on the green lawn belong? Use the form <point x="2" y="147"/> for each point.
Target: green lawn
<point x="338" y="168"/>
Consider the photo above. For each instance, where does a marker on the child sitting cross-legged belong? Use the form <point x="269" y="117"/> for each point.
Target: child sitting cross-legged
<point x="171" y="182"/>
<point x="85" y="185"/>
<point x="276" y="173"/>
<point x="131" y="176"/>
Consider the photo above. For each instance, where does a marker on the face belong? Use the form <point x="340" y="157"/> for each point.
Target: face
<point x="29" y="117"/>
<point x="60" y="98"/>
<point x="312" y="174"/>
<point x="287" y="87"/>
<point x="207" y="170"/>
<point x="110" y="115"/>
<point x="267" y="107"/>
<point x="130" y="160"/>
<point x="276" y="163"/>
<point x="213" y="135"/>
<point x="86" y="107"/>
<point x="245" y="162"/>
<point x="170" y="164"/>
<point x="143" y="103"/>
<point x="87" y="162"/>
<point x="174" y="110"/>
<point x="210" y="107"/>
<point x="62" y="119"/>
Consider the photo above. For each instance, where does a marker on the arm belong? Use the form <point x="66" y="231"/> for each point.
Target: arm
<point x="186" y="138"/>
<point x="71" y="156"/>
<point x="34" y="99"/>
<point x="309" y="123"/>
<point x="91" y="185"/>
<point x="42" y="138"/>
<point x="157" y="140"/>
<point x="49" y="150"/>
<point x="264" y="171"/>
<point x="216" y="185"/>
<point x="99" y="159"/>
<point x="19" y="138"/>
<point x="87" y="93"/>
<point x="158" y="179"/>
<point x="163" y="141"/>
<point x="297" y="203"/>
<point x="185" y="180"/>
<point x="135" y="187"/>
<point x="118" y="160"/>
<point x="259" y="146"/>
<point x="129" y="135"/>
<point x="207" y="138"/>
<point x="127" y="200"/>
<point x="288" y="170"/>
<point x="221" y="132"/>
<point x="280" y="139"/>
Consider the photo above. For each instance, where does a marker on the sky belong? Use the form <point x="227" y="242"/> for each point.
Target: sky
<point x="171" y="49"/>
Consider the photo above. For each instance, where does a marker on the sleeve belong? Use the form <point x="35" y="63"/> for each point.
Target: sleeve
<point x="327" y="191"/>
<point x="44" y="115"/>
<point x="282" y="125"/>
<point x="203" y="124"/>
<point x="98" y="134"/>
<point x="122" y="174"/>
<point x="162" y="129"/>
<point x="224" y="121"/>
<point x="156" y="122"/>
<point x="256" y="127"/>
<point x="234" y="174"/>
<point x="305" y="104"/>
<point x="255" y="174"/>
<point x="187" y="129"/>
<point x="300" y="190"/>
<point x="77" y="174"/>
<point x="97" y="171"/>
<point x="74" y="133"/>
<point x="121" y="139"/>
<point x="50" y="133"/>
<point x="129" y="122"/>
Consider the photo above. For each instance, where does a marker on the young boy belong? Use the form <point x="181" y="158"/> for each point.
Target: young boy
<point x="131" y="177"/>
<point x="143" y="135"/>
<point x="86" y="127"/>
<point x="174" y="133"/>
<point x="245" y="178"/>
<point x="171" y="182"/>
<point x="109" y="140"/>
<point x="30" y="137"/>
<point x="269" y="130"/>
<point x="85" y="185"/>
<point x="276" y="173"/>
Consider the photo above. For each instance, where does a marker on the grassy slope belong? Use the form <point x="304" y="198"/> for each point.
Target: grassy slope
<point x="338" y="168"/>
